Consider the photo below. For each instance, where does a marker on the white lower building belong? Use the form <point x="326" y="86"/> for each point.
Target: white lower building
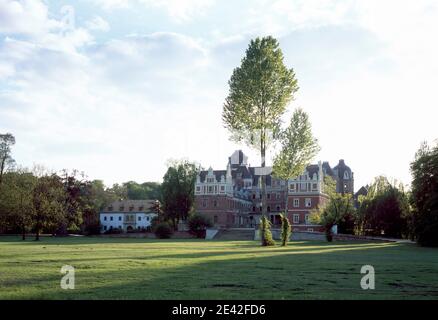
<point x="128" y="215"/>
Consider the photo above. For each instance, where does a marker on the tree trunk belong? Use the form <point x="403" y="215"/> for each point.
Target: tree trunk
<point x="2" y="167"/>
<point x="37" y="235"/>
<point x="23" y="230"/>
<point x="263" y="179"/>
<point x="286" y="201"/>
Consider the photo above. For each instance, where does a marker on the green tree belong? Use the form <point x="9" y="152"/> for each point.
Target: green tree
<point x="48" y="204"/>
<point x="335" y="210"/>
<point x="6" y="141"/>
<point x="144" y="191"/>
<point x="19" y="187"/>
<point x="118" y="192"/>
<point x="198" y="224"/>
<point x="384" y="210"/>
<point x="178" y="190"/>
<point x="260" y="90"/>
<point x="265" y="230"/>
<point x="298" y="148"/>
<point x="285" y="230"/>
<point x="424" y="170"/>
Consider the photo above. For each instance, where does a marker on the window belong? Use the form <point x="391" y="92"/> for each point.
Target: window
<point x="120" y="218"/>
<point x="278" y="208"/>
<point x="131" y="208"/>
<point x="204" y="204"/>
<point x="253" y="209"/>
<point x="296" y="202"/>
<point x="110" y="208"/>
<point x="215" y="203"/>
<point x="308" y="202"/>
<point x="269" y="209"/>
<point x="198" y="189"/>
<point x="215" y="219"/>
<point x="222" y="188"/>
<point x="139" y="218"/>
<point x="121" y="208"/>
<point x="269" y="196"/>
<point x="140" y="208"/>
<point x="292" y="187"/>
<point x="314" y="187"/>
<point x="296" y="218"/>
<point x="104" y="228"/>
<point x="310" y="229"/>
<point x="111" y="218"/>
<point x="104" y="218"/>
<point x="210" y="189"/>
<point x="147" y="218"/>
<point x="254" y="196"/>
<point x="307" y="217"/>
<point x="278" y="196"/>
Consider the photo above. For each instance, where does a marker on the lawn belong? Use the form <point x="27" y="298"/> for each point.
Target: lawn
<point x="190" y="269"/>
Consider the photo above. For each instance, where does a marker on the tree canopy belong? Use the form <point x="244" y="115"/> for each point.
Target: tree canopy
<point x="178" y="190"/>
<point x="424" y="171"/>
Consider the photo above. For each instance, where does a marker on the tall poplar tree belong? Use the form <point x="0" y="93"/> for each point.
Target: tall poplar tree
<point x="298" y="148"/>
<point x="260" y="90"/>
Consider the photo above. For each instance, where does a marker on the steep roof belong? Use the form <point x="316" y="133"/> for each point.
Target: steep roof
<point x="341" y="168"/>
<point x="126" y="206"/>
<point x="217" y="173"/>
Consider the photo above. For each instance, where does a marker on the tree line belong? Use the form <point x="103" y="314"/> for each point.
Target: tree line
<point x="389" y="209"/>
<point x="39" y="201"/>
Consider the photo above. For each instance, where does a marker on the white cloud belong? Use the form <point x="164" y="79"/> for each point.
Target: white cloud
<point x="24" y="17"/>
<point x="180" y="10"/>
<point x="119" y="108"/>
<point x="99" y="24"/>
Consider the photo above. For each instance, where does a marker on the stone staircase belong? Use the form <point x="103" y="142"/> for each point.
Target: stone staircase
<point x="235" y="234"/>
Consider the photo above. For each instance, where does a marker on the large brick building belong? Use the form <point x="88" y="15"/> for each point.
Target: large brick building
<point x="232" y="197"/>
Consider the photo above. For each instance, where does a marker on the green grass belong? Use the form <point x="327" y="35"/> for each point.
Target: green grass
<point x="190" y="269"/>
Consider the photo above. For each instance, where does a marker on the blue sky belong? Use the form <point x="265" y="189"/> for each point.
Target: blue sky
<point x="117" y="87"/>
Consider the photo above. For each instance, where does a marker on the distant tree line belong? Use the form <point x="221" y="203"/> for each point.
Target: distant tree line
<point x="39" y="201"/>
<point x="389" y="209"/>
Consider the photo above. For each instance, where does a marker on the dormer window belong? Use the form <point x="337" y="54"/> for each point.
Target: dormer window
<point x="121" y="208"/>
<point x="110" y="208"/>
<point x="140" y="208"/>
<point x="131" y="208"/>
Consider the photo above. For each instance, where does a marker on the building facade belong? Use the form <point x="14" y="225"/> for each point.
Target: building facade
<point x="231" y="198"/>
<point x="128" y="215"/>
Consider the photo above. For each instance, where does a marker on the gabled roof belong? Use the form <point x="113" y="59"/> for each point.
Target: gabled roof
<point x="217" y="173"/>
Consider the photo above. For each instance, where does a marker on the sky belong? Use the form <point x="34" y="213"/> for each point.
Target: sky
<point x="116" y="88"/>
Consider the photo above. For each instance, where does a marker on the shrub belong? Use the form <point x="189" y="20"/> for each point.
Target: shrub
<point x="285" y="230"/>
<point x="92" y="229"/>
<point x="114" y="231"/>
<point x="154" y="223"/>
<point x="265" y="230"/>
<point x="329" y="235"/>
<point x="163" y="231"/>
<point x="198" y="224"/>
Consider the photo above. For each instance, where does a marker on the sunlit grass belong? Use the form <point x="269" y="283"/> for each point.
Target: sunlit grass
<point x="191" y="269"/>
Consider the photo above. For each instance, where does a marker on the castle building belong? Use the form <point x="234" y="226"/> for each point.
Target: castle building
<point x="231" y="198"/>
